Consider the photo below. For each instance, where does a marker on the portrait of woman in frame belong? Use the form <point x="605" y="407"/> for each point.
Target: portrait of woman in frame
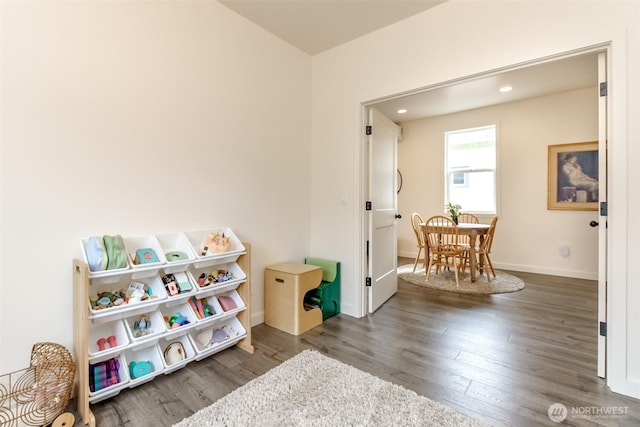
<point x="573" y="182"/>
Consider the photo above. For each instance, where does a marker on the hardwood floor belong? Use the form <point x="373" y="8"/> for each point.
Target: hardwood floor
<point x="501" y="358"/>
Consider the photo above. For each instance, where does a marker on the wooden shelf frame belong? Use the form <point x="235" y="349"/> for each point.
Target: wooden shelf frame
<point x="81" y="283"/>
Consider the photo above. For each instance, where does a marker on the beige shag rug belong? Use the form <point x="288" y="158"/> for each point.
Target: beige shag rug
<point x="446" y="281"/>
<point x="311" y="389"/>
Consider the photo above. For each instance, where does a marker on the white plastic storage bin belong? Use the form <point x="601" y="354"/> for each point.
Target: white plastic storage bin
<point x="110" y="385"/>
<point x="208" y="254"/>
<point x="101" y="273"/>
<point x="144" y="247"/>
<point x="216" y="337"/>
<point x="205" y="309"/>
<point x="230" y="279"/>
<point x="182" y="287"/>
<point x="176" y="352"/>
<point x="175" y="319"/>
<point x="145" y="360"/>
<point x="152" y="327"/>
<point x="177" y="251"/>
<point x="152" y="287"/>
<point x="110" y="336"/>
<point x="234" y="297"/>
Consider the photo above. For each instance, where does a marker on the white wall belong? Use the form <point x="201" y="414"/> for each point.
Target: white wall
<point x="451" y="41"/>
<point x="528" y="236"/>
<point x="140" y="118"/>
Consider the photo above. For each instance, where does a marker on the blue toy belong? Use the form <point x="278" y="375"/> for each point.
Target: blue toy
<point x="142" y="327"/>
<point x="140" y="369"/>
<point x="176" y="320"/>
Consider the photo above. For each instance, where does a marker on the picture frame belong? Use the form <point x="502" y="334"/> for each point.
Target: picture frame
<point x="573" y="182"/>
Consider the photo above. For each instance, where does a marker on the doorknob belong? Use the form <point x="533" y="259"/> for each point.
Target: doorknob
<point x="594" y="223"/>
<point x="398" y="216"/>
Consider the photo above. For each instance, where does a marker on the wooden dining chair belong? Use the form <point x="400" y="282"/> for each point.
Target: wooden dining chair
<point x="487" y="244"/>
<point x="468" y="218"/>
<point x="483" y="251"/>
<point x="416" y="220"/>
<point x="441" y="234"/>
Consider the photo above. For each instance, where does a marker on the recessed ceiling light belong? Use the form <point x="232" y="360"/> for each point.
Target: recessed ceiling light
<point x="506" y="89"/>
<point x="402" y="111"/>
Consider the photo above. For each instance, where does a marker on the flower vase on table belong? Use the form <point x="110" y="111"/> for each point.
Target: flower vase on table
<point x="454" y="210"/>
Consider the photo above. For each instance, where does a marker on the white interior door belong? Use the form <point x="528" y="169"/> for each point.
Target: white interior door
<point x="382" y="264"/>
<point x="602" y="221"/>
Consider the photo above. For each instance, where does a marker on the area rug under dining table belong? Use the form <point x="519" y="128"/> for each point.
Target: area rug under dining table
<point x="446" y="281"/>
<point x="311" y="389"/>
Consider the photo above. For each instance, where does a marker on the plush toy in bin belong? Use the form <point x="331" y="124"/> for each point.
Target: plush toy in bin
<point x="142" y="327"/>
<point x="39" y="394"/>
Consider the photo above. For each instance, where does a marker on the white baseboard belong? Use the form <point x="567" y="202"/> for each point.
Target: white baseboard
<point x="257" y="318"/>
<point x="588" y="275"/>
<point x="411" y="255"/>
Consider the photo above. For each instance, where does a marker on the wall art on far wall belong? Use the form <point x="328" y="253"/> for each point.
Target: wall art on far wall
<point x="573" y="177"/>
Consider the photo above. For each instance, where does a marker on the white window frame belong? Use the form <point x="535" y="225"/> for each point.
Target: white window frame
<point x="448" y="173"/>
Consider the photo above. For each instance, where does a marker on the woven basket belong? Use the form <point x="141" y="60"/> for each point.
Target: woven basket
<point x="35" y="396"/>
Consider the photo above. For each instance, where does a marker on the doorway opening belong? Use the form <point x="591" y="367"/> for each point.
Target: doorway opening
<point x="434" y="100"/>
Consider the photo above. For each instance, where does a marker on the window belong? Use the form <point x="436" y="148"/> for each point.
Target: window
<point x="459" y="179"/>
<point x="470" y="166"/>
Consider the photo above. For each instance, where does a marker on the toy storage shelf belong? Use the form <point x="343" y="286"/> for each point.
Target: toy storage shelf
<point x="91" y="325"/>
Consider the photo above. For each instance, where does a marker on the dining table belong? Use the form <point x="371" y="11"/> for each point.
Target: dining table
<point x="475" y="232"/>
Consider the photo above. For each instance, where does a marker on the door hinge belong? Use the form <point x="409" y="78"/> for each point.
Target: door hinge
<point x="603" y="89"/>
<point x="368" y="130"/>
<point x="367" y="205"/>
<point x="603" y="329"/>
<point x="367" y="281"/>
<point x="603" y="209"/>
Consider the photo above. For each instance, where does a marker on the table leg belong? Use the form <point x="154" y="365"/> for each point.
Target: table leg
<point x="472" y="257"/>
<point x="481" y="258"/>
<point x="427" y="257"/>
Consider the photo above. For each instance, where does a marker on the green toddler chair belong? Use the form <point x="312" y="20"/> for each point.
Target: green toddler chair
<point x="327" y="295"/>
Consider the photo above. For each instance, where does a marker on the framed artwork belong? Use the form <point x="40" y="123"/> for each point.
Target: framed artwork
<point x="573" y="177"/>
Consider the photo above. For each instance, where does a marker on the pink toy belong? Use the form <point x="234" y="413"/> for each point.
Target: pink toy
<point x="112" y="341"/>
<point x="101" y="344"/>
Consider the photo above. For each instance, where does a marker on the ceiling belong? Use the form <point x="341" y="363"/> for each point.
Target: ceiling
<point x="314" y="26"/>
<point x="561" y="75"/>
